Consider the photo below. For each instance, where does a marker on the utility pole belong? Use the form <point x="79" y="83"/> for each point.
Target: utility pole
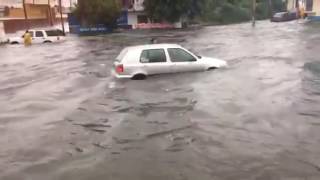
<point x="25" y="14"/>
<point x="50" y="14"/>
<point x="254" y="5"/>
<point x="62" y="23"/>
<point x="270" y="5"/>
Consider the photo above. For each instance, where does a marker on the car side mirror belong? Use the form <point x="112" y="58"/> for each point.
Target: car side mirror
<point x="199" y="57"/>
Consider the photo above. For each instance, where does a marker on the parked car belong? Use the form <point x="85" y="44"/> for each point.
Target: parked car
<point x="40" y="36"/>
<point x="138" y="62"/>
<point x="284" y="16"/>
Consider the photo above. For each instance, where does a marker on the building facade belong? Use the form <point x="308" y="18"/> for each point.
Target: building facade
<point x="135" y="17"/>
<point x="133" y="13"/>
<point x="39" y="13"/>
<point x="311" y="7"/>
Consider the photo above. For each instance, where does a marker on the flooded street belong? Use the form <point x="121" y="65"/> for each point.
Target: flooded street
<point x="63" y="116"/>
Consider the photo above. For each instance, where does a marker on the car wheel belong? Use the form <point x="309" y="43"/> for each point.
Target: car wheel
<point x="47" y="42"/>
<point x="14" y="42"/>
<point x="212" y="68"/>
<point x="139" y="77"/>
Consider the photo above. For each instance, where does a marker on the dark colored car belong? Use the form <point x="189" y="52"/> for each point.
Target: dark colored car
<point x="284" y="16"/>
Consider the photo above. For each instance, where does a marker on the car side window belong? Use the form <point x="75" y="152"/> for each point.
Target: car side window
<point x="39" y="34"/>
<point x="31" y="33"/>
<point x="153" y="56"/>
<point x="180" y="55"/>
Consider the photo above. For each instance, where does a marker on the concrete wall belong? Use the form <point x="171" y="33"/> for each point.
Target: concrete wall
<point x="138" y="5"/>
<point x="291" y="5"/>
<point x="132" y="18"/>
<point x="2" y="34"/>
<point x="33" y="12"/>
<point x="316" y="7"/>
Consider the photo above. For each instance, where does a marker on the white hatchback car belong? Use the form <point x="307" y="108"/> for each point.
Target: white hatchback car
<point x="40" y="36"/>
<point x="138" y="62"/>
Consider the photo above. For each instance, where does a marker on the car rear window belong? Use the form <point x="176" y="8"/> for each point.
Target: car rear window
<point x="54" y="33"/>
<point x="153" y="56"/>
<point x="122" y="54"/>
<point x="278" y="15"/>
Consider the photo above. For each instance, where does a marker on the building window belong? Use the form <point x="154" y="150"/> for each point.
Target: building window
<point x="309" y="5"/>
<point x="142" y="19"/>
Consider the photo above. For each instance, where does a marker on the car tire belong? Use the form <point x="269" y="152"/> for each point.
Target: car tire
<point x="47" y="42"/>
<point x="14" y="42"/>
<point x="139" y="77"/>
<point x="212" y="68"/>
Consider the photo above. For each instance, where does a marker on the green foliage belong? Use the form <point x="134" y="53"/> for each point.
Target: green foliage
<point x="92" y="12"/>
<point x="232" y="11"/>
<point x="167" y="10"/>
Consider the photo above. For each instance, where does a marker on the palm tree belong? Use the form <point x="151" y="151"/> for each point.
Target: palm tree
<point x="49" y="14"/>
<point x="25" y="14"/>
<point x="62" y="23"/>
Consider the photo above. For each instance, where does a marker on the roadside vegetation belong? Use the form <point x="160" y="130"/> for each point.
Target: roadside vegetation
<point x="234" y="11"/>
<point x="95" y="12"/>
<point x="211" y="11"/>
<point x="197" y="11"/>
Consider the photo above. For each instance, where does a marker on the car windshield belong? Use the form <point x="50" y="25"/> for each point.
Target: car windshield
<point x="54" y="33"/>
<point x="194" y="53"/>
<point x="278" y="15"/>
<point x="122" y="54"/>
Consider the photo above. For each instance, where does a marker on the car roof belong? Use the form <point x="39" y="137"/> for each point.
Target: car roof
<point x="45" y="29"/>
<point x="153" y="46"/>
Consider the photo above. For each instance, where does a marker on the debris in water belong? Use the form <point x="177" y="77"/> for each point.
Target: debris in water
<point x="157" y="122"/>
<point x="93" y="125"/>
<point x="82" y="109"/>
<point x="69" y="153"/>
<point x="98" y="130"/>
<point x="78" y="149"/>
<point x="122" y="141"/>
<point x="115" y="152"/>
<point x="99" y="145"/>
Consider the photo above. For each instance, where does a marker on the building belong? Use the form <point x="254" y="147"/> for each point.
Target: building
<point x="312" y="7"/>
<point x="134" y="16"/>
<point x="132" y="13"/>
<point x="39" y="13"/>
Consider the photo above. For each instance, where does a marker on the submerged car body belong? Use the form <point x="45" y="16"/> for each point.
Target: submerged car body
<point x="138" y="62"/>
<point x="284" y="16"/>
<point x="40" y="36"/>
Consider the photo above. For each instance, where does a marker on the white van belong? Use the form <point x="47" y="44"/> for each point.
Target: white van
<point x="41" y="36"/>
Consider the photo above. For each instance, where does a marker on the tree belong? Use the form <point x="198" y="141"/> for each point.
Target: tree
<point x="95" y="12"/>
<point x="167" y="10"/>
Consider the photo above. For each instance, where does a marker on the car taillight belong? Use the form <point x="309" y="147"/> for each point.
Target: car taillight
<point x="119" y="68"/>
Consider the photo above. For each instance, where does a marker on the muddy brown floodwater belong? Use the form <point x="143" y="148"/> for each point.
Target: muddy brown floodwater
<point x="63" y="117"/>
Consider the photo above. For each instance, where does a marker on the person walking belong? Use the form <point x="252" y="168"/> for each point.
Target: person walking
<point x="27" y="38"/>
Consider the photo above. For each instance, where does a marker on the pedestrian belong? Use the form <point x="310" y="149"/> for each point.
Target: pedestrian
<point x="302" y="12"/>
<point x="27" y="38"/>
<point x="153" y="41"/>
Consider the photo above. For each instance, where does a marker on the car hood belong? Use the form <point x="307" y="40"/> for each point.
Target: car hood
<point x="213" y="62"/>
<point x="15" y="38"/>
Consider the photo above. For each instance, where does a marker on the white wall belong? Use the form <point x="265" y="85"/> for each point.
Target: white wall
<point x="2" y="34"/>
<point x="11" y="3"/>
<point x="132" y="18"/>
<point x="138" y="5"/>
<point x="291" y="5"/>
